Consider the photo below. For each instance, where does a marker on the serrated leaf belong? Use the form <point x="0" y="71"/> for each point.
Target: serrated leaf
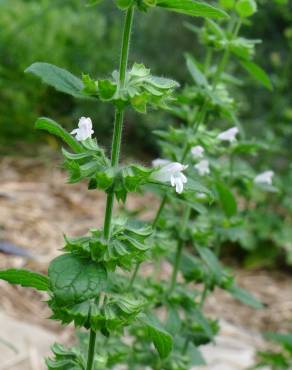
<point x="227" y="199"/>
<point x="58" y="78"/>
<point x="257" y="73"/>
<point x="52" y="127"/>
<point x="162" y="340"/>
<point x="245" y="297"/>
<point x="25" y="278"/>
<point x="192" y="8"/>
<point x="74" y="280"/>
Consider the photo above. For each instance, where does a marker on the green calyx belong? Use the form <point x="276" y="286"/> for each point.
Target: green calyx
<point x="140" y="89"/>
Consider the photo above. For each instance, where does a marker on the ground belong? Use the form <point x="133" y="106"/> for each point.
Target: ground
<point x="37" y="208"/>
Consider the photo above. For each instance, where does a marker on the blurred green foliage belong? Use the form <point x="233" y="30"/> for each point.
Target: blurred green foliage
<point x="34" y="30"/>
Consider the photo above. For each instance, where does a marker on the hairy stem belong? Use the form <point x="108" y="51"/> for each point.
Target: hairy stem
<point x="119" y="116"/>
<point x="115" y="154"/>
<point x="91" y="350"/>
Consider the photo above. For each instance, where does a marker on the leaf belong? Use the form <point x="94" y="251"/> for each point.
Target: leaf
<point x="245" y="297"/>
<point x="173" y="323"/>
<point x="211" y="261"/>
<point x="25" y="278"/>
<point x="281" y="338"/>
<point x="196" y="356"/>
<point x="162" y="340"/>
<point x="106" y="89"/>
<point x="197" y="187"/>
<point x="246" y="8"/>
<point x="74" y="280"/>
<point x="195" y="72"/>
<point x="124" y="4"/>
<point x="191" y="267"/>
<point x="192" y="8"/>
<point x="54" y="128"/>
<point x="93" y="2"/>
<point x="203" y="322"/>
<point x="257" y="73"/>
<point x="227" y="199"/>
<point x="59" y="78"/>
<point x="162" y="82"/>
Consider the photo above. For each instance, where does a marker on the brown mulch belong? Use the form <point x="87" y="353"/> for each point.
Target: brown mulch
<point x="37" y="207"/>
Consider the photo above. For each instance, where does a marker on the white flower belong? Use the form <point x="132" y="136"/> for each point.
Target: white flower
<point x="264" y="178"/>
<point x="84" y="130"/>
<point x="229" y="135"/>
<point x="203" y="167"/>
<point x="160" y="162"/>
<point x="197" y="151"/>
<point x="172" y="172"/>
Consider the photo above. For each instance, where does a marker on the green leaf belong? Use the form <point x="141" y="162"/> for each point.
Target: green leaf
<point x="191" y="267"/>
<point x="59" y="78"/>
<point x="203" y="322"/>
<point x="106" y="89"/>
<point x="93" y="2"/>
<point x="283" y="339"/>
<point x="227" y="199"/>
<point x="197" y="187"/>
<point x="246" y="8"/>
<point x="245" y="297"/>
<point x="124" y="4"/>
<point x="162" y="340"/>
<point x="192" y="8"/>
<point x="196" y="356"/>
<point x="195" y="72"/>
<point x="257" y="73"/>
<point x="227" y="4"/>
<point x="211" y="261"/>
<point x="54" y="128"/>
<point x="173" y="323"/>
<point x="74" y="280"/>
<point x="25" y="278"/>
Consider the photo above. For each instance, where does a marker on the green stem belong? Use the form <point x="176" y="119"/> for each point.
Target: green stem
<point x="231" y="167"/>
<point x="203" y="296"/>
<point x="178" y="254"/>
<point x="91" y="350"/>
<point x="186" y="345"/>
<point x="119" y="118"/>
<point x="116" y="148"/>
<point x="135" y="273"/>
<point x="126" y="45"/>
<point x="158" y="214"/>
